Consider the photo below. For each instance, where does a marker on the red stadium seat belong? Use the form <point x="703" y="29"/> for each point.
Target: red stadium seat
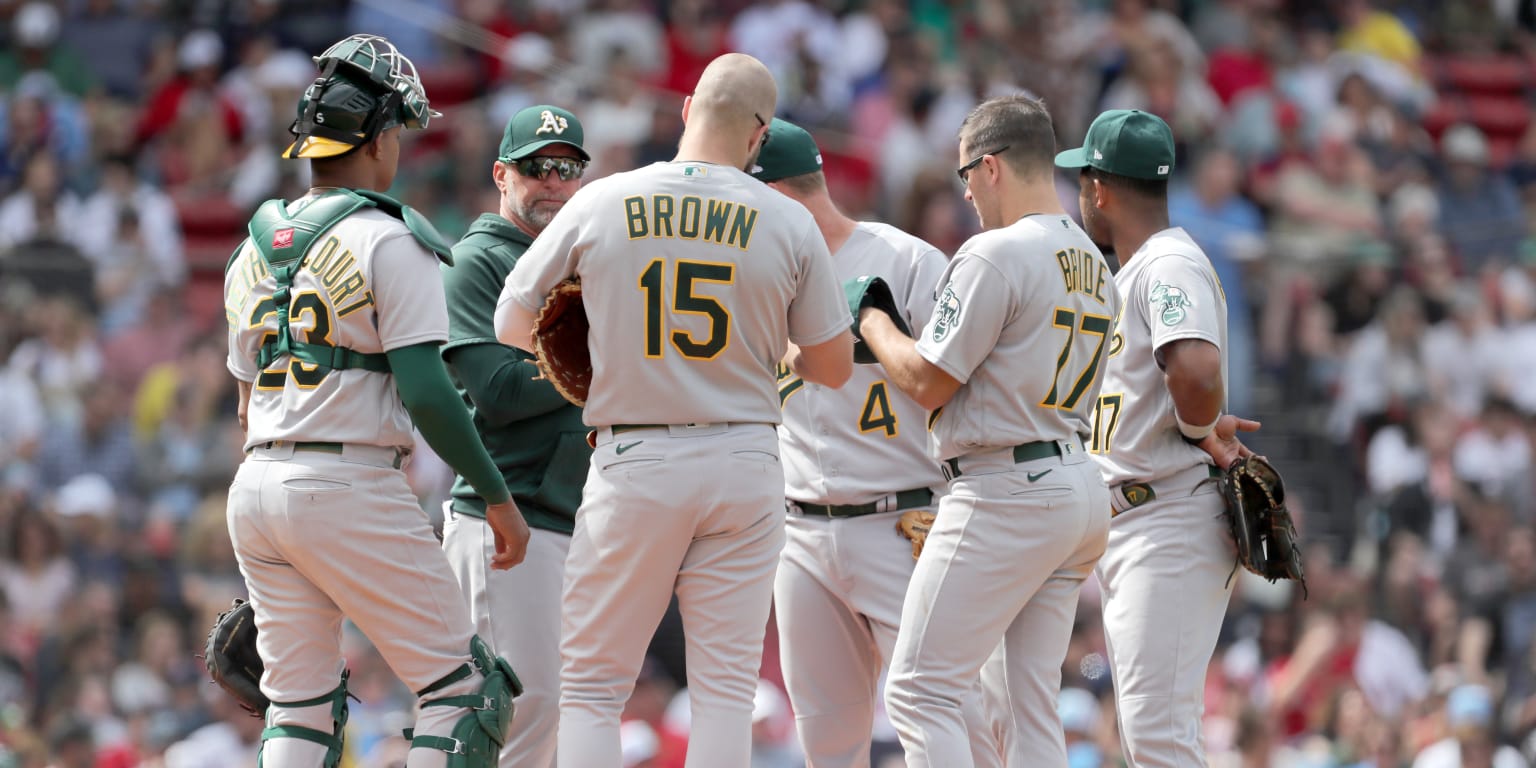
<point x="1490" y="75"/>
<point x="1499" y="115"/>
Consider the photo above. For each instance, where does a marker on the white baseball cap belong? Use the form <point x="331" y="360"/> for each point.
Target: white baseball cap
<point x="1464" y="143"/>
<point x="36" y="25"/>
<point x="87" y="494"/>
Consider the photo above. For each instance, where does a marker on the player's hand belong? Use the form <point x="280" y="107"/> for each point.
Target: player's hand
<point x="865" y="316"/>
<point x="1222" y="444"/>
<point x="511" y="532"/>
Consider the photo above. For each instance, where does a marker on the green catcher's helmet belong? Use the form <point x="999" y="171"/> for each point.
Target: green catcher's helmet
<point x="365" y="86"/>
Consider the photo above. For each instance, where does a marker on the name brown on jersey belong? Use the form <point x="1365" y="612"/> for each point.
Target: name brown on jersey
<point x="690" y="217"/>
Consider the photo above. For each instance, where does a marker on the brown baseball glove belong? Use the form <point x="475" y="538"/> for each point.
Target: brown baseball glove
<point x="915" y="524"/>
<point x="1259" y="521"/>
<point x="560" y="342"/>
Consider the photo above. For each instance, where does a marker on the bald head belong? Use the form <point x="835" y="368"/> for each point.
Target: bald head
<point x="736" y="92"/>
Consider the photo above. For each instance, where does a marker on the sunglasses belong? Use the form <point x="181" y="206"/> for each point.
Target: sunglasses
<point x="766" y="136"/>
<point x="540" y="167"/>
<point x="964" y="171"/>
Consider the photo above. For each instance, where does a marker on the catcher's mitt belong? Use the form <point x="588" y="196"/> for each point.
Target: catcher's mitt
<point x="560" y="342"/>
<point x="1260" y="524"/>
<point x="232" y="659"/>
<point x="915" y="524"/>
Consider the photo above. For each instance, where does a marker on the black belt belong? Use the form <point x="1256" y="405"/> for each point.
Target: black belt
<point x="323" y="447"/>
<point x="912" y="497"/>
<point x="1043" y="449"/>
<point x="1137" y="494"/>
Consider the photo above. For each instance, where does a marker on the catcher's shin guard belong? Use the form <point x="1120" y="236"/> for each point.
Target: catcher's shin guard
<point x="297" y="735"/>
<point x="485" y="687"/>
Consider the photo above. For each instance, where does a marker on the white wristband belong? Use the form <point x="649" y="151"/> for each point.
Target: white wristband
<point x="1195" y="432"/>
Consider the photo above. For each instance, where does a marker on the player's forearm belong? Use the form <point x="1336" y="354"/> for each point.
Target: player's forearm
<point x="514" y="324"/>
<point x="504" y="386"/>
<point x="1192" y="371"/>
<point x="439" y="413"/>
<point x="919" y="379"/>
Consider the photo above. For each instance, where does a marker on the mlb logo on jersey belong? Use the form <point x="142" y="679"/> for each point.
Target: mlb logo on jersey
<point x="283" y="238"/>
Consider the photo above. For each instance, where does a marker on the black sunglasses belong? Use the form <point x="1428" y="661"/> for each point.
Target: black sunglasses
<point x="964" y="171"/>
<point x="763" y="123"/>
<point x="540" y="167"/>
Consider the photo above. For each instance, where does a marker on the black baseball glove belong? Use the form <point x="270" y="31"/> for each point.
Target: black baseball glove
<point x="1260" y="524"/>
<point x="232" y="659"/>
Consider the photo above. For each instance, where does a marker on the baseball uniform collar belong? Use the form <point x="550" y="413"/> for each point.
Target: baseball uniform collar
<point x="493" y="224"/>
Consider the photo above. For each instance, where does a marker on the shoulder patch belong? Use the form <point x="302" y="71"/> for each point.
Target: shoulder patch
<point x="946" y="314"/>
<point x="1170" y="302"/>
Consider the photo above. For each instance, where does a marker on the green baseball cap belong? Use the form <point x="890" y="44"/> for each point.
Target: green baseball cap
<point x="1125" y="142"/>
<point x="537" y="127"/>
<point x="789" y="151"/>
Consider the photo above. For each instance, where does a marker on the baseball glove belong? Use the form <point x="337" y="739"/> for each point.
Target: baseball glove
<point x="871" y="291"/>
<point x="1259" y="522"/>
<point x="560" y="342"/>
<point x="232" y="659"/>
<point x="915" y="524"/>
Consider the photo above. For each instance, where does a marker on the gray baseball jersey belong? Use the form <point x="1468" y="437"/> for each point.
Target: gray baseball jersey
<point x="852" y="445"/>
<point x="1171" y="292"/>
<point x="694" y="268"/>
<point x="366" y="261"/>
<point x="1021" y="381"/>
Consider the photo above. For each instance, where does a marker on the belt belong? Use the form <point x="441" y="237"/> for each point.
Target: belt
<point x="1127" y="496"/>
<point x="1043" y="449"/>
<point x="341" y="449"/>
<point x="912" y="497"/>
<point x="622" y="428"/>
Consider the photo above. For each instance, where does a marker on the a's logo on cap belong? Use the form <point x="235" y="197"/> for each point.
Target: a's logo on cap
<point x="551" y="123"/>
<point x="818" y="159"/>
<point x="283" y="238"/>
<point x="1097" y="155"/>
<point x="1162" y="170"/>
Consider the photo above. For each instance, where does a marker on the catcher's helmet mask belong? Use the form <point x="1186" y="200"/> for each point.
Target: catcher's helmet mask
<point x="365" y="86"/>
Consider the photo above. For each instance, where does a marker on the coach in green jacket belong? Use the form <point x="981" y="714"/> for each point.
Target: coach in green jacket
<point x="535" y="436"/>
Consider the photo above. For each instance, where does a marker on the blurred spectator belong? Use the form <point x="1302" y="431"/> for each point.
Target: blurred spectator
<point x="1466" y="351"/>
<point x="101" y="442"/>
<point x="113" y="44"/>
<point x="43" y="209"/>
<point x="189" y="120"/>
<point x="35" y="37"/>
<point x="1385" y="368"/>
<point x="624" y="27"/>
<point x="1230" y="230"/>
<point x="1471" y="738"/>
<point x="1480" y="211"/>
<point x="158" y="335"/>
<point x="120" y="189"/>
<point x="37" y="119"/>
<point x="696" y="34"/>
<point x="1495" y="455"/>
<point x="35" y="575"/>
<point x="1323" y="209"/>
<point x="61" y="360"/>
<point x="1156" y="80"/>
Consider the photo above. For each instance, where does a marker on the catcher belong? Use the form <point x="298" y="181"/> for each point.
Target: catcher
<point x="1160" y="437"/>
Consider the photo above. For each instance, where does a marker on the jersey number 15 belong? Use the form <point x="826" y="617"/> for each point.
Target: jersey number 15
<point x="686" y="277"/>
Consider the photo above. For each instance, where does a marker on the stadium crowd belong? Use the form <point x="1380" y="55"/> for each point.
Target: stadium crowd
<point x="1360" y="172"/>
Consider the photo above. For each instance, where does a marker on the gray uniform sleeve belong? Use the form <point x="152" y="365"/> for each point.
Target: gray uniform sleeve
<point x="928" y="267"/>
<point x="240" y="361"/>
<point x="551" y="259"/>
<point x="1184" y="301"/>
<point x="408" y="292"/>
<point x="973" y="308"/>
<point x="819" y="310"/>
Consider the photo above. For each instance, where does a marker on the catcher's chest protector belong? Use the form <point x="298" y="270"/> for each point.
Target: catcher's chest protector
<point x="284" y="240"/>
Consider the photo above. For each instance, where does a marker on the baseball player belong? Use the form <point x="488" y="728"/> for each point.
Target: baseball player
<point x="335" y="313"/>
<point x="534" y="434"/>
<point x="1157" y="428"/>
<point x="695" y="278"/>
<point x="844" y="569"/>
<point x="1010" y="364"/>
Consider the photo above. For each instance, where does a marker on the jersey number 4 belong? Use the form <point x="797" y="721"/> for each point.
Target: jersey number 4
<point x="310" y="309"/>
<point x="685" y="279"/>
